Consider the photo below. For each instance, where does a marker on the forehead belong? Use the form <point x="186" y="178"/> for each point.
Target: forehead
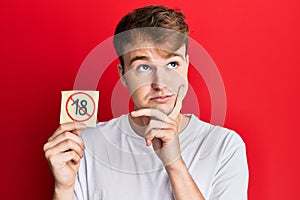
<point x="153" y="52"/>
<point x="149" y="37"/>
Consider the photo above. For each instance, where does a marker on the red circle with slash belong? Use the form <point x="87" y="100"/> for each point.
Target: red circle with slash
<point x="71" y="100"/>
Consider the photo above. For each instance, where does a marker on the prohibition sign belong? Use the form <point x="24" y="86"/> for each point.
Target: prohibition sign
<point x="84" y="110"/>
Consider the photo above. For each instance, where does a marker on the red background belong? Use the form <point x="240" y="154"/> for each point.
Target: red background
<point x="255" y="45"/>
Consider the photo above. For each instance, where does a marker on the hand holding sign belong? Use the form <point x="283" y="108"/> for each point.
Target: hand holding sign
<point x="79" y="106"/>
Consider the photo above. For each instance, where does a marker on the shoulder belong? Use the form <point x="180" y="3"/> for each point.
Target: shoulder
<point x="217" y="138"/>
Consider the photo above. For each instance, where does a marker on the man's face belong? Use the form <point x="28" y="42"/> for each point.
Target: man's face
<point x="153" y="76"/>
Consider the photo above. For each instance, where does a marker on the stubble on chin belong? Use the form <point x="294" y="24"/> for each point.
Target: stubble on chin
<point x="163" y="108"/>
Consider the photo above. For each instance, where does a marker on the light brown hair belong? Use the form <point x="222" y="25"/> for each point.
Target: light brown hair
<point x="160" y="24"/>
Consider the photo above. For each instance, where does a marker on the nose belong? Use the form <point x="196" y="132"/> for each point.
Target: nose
<point x="158" y="80"/>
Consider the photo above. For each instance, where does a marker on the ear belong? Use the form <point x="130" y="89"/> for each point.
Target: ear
<point x="187" y="82"/>
<point x="121" y="73"/>
<point x="187" y="60"/>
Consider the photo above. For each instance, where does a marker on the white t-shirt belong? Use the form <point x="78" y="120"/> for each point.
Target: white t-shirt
<point x="117" y="164"/>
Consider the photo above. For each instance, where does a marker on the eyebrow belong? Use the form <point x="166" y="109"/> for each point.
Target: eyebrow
<point x="135" y="58"/>
<point x="175" y="54"/>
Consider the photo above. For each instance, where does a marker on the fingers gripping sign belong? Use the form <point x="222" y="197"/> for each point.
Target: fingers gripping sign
<point x="162" y="130"/>
<point x="63" y="151"/>
<point x="65" y="147"/>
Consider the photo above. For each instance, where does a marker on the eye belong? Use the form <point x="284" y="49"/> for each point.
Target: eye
<point x="172" y="65"/>
<point x="143" y="68"/>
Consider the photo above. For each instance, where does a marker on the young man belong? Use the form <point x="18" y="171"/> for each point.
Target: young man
<point x="155" y="152"/>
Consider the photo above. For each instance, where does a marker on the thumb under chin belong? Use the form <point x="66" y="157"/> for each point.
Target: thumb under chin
<point x="145" y="120"/>
<point x="157" y="144"/>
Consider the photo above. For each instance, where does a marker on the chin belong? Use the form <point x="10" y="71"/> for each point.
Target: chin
<point x="163" y="108"/>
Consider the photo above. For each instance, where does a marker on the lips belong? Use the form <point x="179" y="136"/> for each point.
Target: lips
<point x="161" y="99"/>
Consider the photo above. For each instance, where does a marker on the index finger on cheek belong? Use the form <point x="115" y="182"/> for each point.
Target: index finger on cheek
<point x="178" y="104"/>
